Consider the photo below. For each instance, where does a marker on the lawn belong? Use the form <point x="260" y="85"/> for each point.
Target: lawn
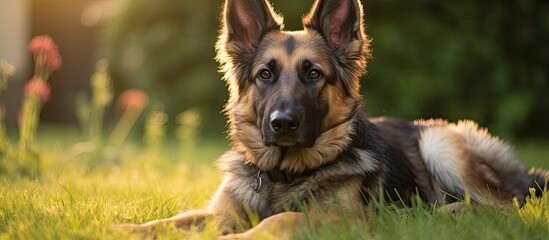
<point x="82" y="192"/>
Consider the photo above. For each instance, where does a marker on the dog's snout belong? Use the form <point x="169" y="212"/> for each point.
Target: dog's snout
<point x="284" y="122"/>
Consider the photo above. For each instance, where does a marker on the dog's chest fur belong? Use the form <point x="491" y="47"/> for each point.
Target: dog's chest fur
<point x="359" y="161"/>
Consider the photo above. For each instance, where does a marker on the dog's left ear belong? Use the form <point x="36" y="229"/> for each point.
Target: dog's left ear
<point x="339" y="21"/>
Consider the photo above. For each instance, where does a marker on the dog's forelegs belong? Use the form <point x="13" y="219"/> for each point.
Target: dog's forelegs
<point x="187" y="220"/>
<point x="223" y="210"/>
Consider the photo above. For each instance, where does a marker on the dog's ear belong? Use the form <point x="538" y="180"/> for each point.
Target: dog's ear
<point x="339" y="21"/>
<point x="246" y="21"/>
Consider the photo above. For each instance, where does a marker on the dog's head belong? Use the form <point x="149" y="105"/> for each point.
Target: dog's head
<point x="292" y="85"/>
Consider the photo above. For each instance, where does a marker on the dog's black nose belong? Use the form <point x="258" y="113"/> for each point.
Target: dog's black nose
<point x="284" y="122"/>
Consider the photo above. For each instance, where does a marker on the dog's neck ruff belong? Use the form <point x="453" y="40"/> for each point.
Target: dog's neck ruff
<point x="295" y="160"/>
<point x="248" y="140"/>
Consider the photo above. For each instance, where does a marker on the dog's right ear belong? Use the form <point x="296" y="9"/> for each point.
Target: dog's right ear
<point x="246" y="21"/>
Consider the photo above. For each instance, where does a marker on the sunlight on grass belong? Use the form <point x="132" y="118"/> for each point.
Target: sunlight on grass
<point x="83" y="196"/>
<point x="72" y="200"/>
<point x="78" y="198"/>
<point x="535" y="211"/>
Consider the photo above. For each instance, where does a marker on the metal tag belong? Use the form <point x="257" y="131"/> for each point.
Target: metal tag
<point x="258" y="182"/>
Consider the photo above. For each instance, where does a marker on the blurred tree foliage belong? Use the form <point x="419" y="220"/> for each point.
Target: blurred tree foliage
<point x="167" y="48"/>
<point x="483" y="60"/>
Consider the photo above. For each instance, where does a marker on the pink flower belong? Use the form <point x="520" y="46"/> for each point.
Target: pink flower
<point x="53" y="60"/>
<point x="46" y="52"/>
<point x="133" y="99"/>
<point x="42" y="43"/>
<point x="39" y="88"/>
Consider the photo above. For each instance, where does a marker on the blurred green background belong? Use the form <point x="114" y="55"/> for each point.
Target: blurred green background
<point x="482" y="60"/>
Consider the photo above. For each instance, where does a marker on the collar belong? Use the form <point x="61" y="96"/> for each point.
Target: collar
<point x="278" y="176"/>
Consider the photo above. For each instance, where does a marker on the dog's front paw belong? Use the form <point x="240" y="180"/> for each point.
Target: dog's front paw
<point x="233" y="236"/>
<point x="255" y="234"/>
<point x="135" y="228"/>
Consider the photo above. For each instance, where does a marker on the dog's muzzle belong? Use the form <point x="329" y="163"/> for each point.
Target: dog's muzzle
<point x="286" y="122"/>
<point x="283" y="128"/>
<point x="284" y="125"/>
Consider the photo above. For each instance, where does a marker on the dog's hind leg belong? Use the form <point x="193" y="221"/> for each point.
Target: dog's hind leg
<point x="441" y="149"/>
<point x="464" y="158"/>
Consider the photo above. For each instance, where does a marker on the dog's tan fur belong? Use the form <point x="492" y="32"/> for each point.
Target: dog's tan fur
<point x="347" y="158"/>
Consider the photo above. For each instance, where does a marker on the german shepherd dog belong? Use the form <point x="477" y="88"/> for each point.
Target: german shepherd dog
<point x="301" y="137"/>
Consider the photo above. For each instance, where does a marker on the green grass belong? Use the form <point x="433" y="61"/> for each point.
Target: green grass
<point x="79" y="195"/>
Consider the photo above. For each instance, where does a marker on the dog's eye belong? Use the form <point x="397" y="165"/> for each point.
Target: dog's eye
<point x="265" y="75"/>
<point x="314" y="74"/>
